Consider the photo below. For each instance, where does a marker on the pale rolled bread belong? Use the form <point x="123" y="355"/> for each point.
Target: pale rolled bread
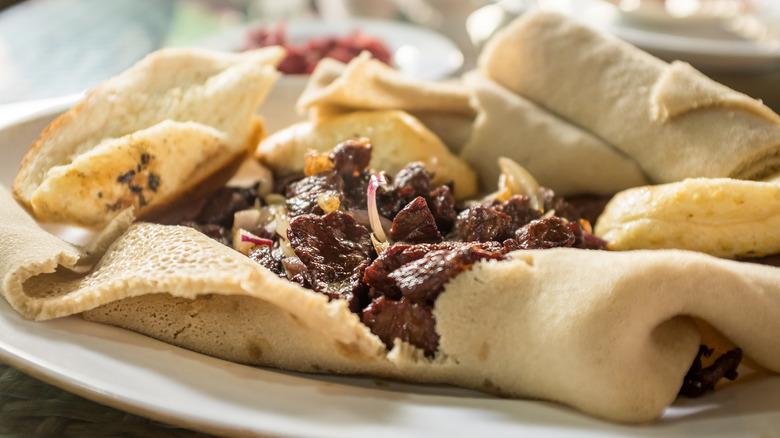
<point x="397" y="139"/>
<point x="480" y="121"/>
<point x="560" y="155"/>
<point x="720" y="216"/>
<point x="590" y="329"/>
<point x="366" y="83"/>
<point x="672" y="120"/>
<point x="172" y="126"/>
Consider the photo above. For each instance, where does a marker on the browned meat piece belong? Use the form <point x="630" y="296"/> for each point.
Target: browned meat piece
<point x="267" y="257"/>
<point x="422" y="280"/>
<point x="415" y="224"/>
<point x="303" y="195"/>
<point x="336" y="250"/>
<point x="410" y="322"/>
<point x="699" y="380"/>
<point x="414" y="180"/>
<point x="351" y="157"/>
<point x="518" y="207"/>
<point x="481" y="223"/>
<point x="442" y="206"/>
<point x="551" y="232"/>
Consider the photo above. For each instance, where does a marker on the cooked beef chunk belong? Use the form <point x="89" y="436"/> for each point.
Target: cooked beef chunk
<point x="442" y="206"/>
<point x="351" y="157"/>
<point x="560" y="205"/>
<point x="518" y="207"/>
<point x="497" y="221"/>
<point x="216" y="232"/>
<point x="411" y="322"/>
<point x="589" y="207"/>
<point x="303" y="196"/>
<point x="415" y="224"/>
<point x="293" y="266"/>
<point x="699" y="380"/>
<point x="410" y="182"/>
<point x="414" y="180"/>
<point x="377" y="275"/>
<point x="481" y="223"/>
<point x="267" y="257"/>
<point x="422" y="280"/>
<point x="355" y="190"/>
<point x="221" y="205"/>
<point x="550" y="232"/>
<point x="336" y="250"/>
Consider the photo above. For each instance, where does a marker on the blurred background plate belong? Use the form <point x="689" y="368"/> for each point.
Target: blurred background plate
<point x="741" y="42"/>
<point x="417" y="51"/>
<point x="747" y="60"/>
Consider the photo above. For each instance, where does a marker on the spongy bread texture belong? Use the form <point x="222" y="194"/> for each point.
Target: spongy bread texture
<point x="608" y="333"/>
<point x="112" y="150"/>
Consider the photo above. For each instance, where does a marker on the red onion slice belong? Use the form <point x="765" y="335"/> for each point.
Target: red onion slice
<point x="374" y="219"/>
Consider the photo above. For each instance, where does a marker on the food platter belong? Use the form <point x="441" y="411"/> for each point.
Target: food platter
<point x="150" y="378"/>
<point x="417" y="52"/>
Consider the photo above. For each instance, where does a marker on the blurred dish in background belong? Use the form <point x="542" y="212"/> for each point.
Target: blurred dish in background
<point x="415" y="51"/>
<point x="303" y="57"/>
<point x="714" y="39"/>
<point x="685" y="11"/>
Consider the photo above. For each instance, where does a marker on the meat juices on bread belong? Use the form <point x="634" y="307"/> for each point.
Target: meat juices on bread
<point x="174" y="125"/>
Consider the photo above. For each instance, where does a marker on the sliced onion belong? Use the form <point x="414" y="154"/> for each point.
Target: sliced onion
<point x="379" y="247"/>
<point x="246" y="219"/>
<point x="374" y="219"/>
<point x="275" y="199"/>
<point x="519" y="181"/>
<point x="244" y="241"/>
<point x="328" y="202"/>
<point x="281" y="222"/>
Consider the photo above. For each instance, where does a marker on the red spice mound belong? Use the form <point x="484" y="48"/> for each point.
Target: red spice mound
<point x="302" y="58"/>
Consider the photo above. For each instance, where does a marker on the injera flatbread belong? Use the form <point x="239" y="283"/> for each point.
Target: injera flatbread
<point x="671" y="119"/>
<point x="560" y="155"/>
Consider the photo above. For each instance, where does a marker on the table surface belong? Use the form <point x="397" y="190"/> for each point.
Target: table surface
<point x="30" y="407"/>
<point x="39" y="43"/>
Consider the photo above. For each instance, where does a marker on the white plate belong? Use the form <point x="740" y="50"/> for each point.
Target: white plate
<point x="150" y="378"/>
<point x="417" y="52"/>
<point x="706" y="44"/>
